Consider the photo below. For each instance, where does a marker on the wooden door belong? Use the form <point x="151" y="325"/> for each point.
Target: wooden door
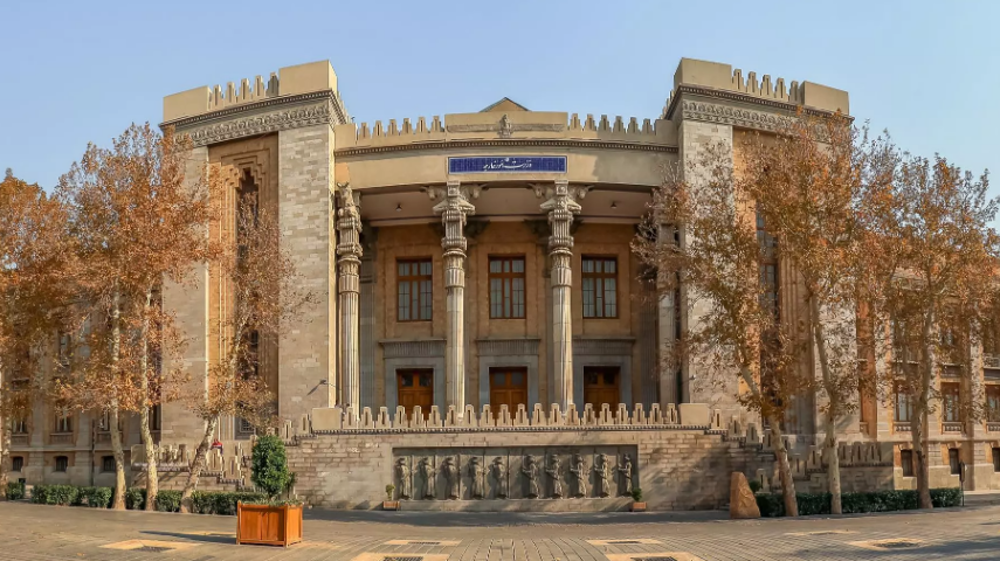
<point x="508" y="386"/>
<point x="415" y="387"/>
<point x="600" y="385"/>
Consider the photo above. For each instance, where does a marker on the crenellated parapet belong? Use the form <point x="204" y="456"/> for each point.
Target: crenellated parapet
<point x="703" y="82"/>
<point x="510" y="128"/>
<point x="295" y="96"/>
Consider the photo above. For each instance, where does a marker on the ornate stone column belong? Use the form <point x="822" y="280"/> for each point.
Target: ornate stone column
<point x="454" y="208"/>
<point x="561" y="206"/>
<point x="348" y="268"/>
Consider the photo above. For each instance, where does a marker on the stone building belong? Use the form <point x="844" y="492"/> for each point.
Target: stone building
<point x="478" y="298"/>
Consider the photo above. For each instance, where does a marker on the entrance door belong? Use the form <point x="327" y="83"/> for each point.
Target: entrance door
<point x="600" y="385"/>
<point x="508" y="386"/>
<point x="415" y="387"/>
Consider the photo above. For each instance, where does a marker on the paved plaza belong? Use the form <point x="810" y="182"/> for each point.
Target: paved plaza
<point x="37" y="533"/>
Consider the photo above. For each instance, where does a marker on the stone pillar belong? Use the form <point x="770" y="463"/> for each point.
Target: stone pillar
<point x="667" y="328"/>
<point x="561" y="206"/>
<point x="454" y="208"/>
<point x="348" y="265"/>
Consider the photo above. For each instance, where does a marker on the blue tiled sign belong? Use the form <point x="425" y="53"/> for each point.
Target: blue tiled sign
<point x="508" y="164"/>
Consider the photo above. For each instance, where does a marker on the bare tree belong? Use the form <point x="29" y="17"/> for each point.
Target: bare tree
<point x="265" y="294"/>
<point x="137" y="223"/>
<point x="734" y="331"/>
<point x="937" y="225"/>
<point x="810" y="182"/>
<point x="35" y="258"/>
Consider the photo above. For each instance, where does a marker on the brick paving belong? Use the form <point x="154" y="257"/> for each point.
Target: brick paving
<point x="42" y="533"/>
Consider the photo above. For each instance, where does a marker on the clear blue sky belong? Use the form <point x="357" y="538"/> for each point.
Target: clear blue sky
<point x="75" y="72"/>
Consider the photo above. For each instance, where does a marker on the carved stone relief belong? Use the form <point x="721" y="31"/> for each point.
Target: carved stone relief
<point x="565" y="472"/>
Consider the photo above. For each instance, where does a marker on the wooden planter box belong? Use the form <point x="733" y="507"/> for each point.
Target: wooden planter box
<point x="390" y="505"/>
<point x="638" y="507"/>
<point x="268" y="525"/>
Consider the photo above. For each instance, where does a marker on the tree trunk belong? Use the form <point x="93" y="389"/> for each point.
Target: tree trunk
<point x="198" y="464"/>
<point x="116" y="435"/>
<point x="119" y="453"/>
<point x="4" y="457"/>
<point x="152" y="479"/>
<point x="919" y="425"/>
<point x="784" y="468"/>
<point x="833" y="408"/>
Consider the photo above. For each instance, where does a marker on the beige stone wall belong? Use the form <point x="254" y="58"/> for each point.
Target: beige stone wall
<point x="307" y="356"/>
<point x="677" y="469"/>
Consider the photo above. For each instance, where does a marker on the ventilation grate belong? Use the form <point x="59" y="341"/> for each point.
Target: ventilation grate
<point x="401" y="558"/>
<point x="153" y="549"/>
<point x="624" y="542"/>
<point x="656" y="558"/>
<point x="898" y="544"/>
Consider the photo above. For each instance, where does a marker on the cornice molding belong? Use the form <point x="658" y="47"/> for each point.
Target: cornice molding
<point x="507" y="143"/>
<point x="269" y="115"/>
<point x="734" y="116"/>
<point x="775" y="106"/>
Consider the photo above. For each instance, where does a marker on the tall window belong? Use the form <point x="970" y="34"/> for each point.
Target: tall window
<point x="19" y="426"/>
<point x="64" y="424"/>
<point x="17" y="463"/>
<point x="506" y="287"/>
<point x="950" y="400"/>
<point x="62" y="463"/>
<point x="414" y="282"/>
<point x="107" y="464"/>
<point x="63" y="355"/>
<point x="906" y="459"/>
<point x="993" y="403"/>
<point x="768" y="268"/>
<point x="903" y="404"/>
<point x="600" y="287"/>
<point x="954" y="461"/>
<point x="155" y="417"/>
<point x="996" y="459"/>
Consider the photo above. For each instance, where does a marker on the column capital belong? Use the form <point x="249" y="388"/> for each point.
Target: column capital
<point x="349" y="249"/>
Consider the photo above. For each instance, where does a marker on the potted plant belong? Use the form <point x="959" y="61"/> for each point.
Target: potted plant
<point x="637" y="503"/>
<point x="388" y="503"/>
<point x="275" y="521"/>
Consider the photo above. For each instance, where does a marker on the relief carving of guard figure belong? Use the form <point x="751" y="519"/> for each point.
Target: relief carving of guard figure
<point x="427" y="473"/>
<point x="602" y="482"/>
<point x="450" y="472"/>
<point x="403" y="478"/>
<point x="579" y="472"/>
<point x="476" y="472"/>
<point x="625" y="477"/>
<point x="530" y="472"/>
<point x="553" y="472"/>
<point x="499" y="469"/>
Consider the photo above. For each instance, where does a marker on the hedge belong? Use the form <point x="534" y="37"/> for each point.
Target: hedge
<point x="222" y="503"/>
<point x="63" y="495"/>
<point x="15" y="490"/>
<point x="166" y="501"/>
<point x="853" y="503"/>
<point x="135" y="498"/>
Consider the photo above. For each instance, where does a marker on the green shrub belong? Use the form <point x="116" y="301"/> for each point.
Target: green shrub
<point x="15" y="490"/>
<point x="754" y="486"/>
<point x="135" y="498"/>
<point x="223" y="503"/>
<point x="94" y="497"/>
<point x="270" y="466"/>
<point x="772" y="504"/>
<point x="637" y="494"/>
<point x="63" y="495"/>
<point x="168" y="501"/>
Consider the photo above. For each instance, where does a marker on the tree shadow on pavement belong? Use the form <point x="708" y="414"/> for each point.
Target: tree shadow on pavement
<point x="208" y="537"/>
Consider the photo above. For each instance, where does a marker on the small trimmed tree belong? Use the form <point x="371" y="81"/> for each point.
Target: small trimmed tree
<point x="270" y="466"/>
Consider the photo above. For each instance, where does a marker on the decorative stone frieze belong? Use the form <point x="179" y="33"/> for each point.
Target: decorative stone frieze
<point x="349" y="253"/>
<point x="413" y="349"/>
<point x="263" y="117"/>
<point x="733" y="116"/>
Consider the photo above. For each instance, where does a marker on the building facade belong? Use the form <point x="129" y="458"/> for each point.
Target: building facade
<point x="483" y="328"/>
